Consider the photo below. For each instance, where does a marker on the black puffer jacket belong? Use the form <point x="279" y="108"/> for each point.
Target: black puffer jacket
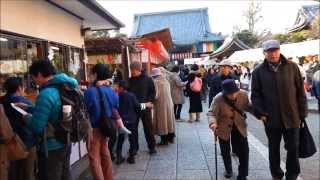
<point x="279" y="95"/>
<point x="143" y="87"/>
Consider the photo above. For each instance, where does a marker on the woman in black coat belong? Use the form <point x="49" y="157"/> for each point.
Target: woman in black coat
<point x="195" y="97"/>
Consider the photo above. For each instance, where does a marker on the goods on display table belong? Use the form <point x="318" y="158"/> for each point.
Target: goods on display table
<point x="13" y="67"/>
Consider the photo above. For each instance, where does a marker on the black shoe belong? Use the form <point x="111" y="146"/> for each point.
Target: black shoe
<point x="171" y="140"/>
<point x="119" y="160"/>
<point x="292" y="177"/>
<point x="152" y="151"/>
<point x="228" y="174"/>
<point x="241" y="178"/>
<point x="113" y="157"/>
<point x="276" y="178"/>
<point x="131" y="160"/>
<point x="132" y="154"/>
<point x="163" y="143"/>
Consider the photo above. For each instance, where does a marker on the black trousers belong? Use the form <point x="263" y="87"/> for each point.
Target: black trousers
<point x="177" y="110"/>
<point x="56" y="166"/>
<point x="210" y="99"/>
<point x="241" y="148"/>
<point x="119" y="140"/>
<point x="146" y="119"/>
<point x="291" y="139"/>
<point x="133" y="141"/>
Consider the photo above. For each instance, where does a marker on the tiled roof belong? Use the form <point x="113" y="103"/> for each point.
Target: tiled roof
<point x="305" y="17"/>
<point x="229" y="46"/>
<point x="186" y="26"/>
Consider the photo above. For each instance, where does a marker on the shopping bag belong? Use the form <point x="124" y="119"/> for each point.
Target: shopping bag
<point x="307" y="147"/>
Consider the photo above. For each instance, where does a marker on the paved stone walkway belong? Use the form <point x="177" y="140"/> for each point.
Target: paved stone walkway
<point x="191" y="157"/>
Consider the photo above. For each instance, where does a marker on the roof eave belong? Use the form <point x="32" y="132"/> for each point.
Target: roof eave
<point x="97" y="8"/>
<point x="235" y="41"/>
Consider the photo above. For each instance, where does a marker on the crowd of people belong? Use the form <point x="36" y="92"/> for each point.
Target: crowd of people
<point x="157" y="101"/>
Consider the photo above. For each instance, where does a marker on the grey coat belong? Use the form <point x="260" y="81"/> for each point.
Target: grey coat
<point x="225" y="116"/>
<point x="279" y="95"/>
<point x="177" y="89"/>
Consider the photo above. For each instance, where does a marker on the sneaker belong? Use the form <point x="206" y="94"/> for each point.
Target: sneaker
<point x="152" y="151"/>
<point x="228" y="174"/>
<point x="119" y="160"/>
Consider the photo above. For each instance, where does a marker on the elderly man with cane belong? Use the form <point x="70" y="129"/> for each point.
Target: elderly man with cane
<point x="227" y="119"/>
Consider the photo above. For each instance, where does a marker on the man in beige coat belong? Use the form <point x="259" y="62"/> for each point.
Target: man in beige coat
<point x="163" y="119"/>
<point x="227" y="119"/>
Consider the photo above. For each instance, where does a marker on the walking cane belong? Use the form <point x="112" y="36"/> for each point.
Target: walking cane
<point x="216" y="154"/>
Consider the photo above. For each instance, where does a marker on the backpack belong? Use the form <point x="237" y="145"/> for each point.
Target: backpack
<point x="196" y="85"/>
<point x="76" y="126"/>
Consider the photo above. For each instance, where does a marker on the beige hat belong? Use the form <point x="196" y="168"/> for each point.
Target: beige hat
<point x="225" y="62"/>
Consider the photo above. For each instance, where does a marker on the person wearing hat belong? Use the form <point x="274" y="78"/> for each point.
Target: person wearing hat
<point x="163" y="119"/>
<point x="279" y="99"/>
<point x="228" y="120"/>
<point x="225" y="67"/>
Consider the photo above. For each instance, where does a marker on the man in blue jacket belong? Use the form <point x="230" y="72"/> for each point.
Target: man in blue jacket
<point x="129" y="107"/>
<point x="21" y="169"/>
<point x="48" y="110"/>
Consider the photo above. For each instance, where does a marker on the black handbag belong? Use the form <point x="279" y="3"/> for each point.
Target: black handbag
<point x="106" y="124"/>
<point x="307" y="147"/>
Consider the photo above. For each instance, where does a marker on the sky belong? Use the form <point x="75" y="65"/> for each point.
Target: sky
<point x="223" y="15"/>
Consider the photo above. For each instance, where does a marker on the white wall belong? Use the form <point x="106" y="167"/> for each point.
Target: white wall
<point x="40" y="19"/>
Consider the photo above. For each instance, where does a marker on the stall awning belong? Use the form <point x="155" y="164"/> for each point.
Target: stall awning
<point x="289" y="50"/>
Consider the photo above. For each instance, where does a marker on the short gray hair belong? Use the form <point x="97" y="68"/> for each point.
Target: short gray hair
<point x="136" y="65"/>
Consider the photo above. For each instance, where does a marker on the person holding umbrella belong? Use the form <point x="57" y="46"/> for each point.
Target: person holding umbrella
<point x="227" y="119"/>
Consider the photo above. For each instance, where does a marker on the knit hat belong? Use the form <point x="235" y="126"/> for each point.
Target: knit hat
<point x="229" y="86"/>
<point x="155" y="72"/>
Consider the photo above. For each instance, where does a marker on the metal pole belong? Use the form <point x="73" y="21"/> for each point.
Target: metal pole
<point x="216" y="155"/>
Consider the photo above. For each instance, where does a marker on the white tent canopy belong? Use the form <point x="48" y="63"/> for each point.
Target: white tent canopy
<point x="200" y="61"/>
<point x="289" y="50"/>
